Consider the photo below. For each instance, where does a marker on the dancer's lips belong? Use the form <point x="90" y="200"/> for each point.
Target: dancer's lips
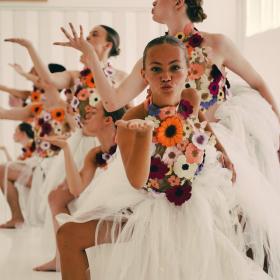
<point x="166" y="86"/>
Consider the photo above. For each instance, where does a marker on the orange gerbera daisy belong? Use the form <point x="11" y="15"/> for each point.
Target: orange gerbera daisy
<point x="36" y="109"/>
<point x="36" y="96"/>
<point x="89" y="81"/>
<point x="58" y="114"/>
<point x="195" y="71"/>
<point x="170" y="132"/>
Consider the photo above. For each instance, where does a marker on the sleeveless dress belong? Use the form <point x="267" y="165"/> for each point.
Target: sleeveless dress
<point x="242" y="110"/>
<point x="46" y="122"/>
<point x="249" y="131"/>
<point x="181" y="224"/>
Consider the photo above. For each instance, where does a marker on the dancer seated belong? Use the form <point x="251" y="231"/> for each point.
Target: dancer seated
<point x="100" y="124"/>
<point x="13" y="171"/>
<point x="180" y="209"/>
<point x="50" y="117"/>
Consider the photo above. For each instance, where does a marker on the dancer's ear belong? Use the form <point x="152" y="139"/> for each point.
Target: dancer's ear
<point x="180" y="3"/>
<point x="143" y="74"/>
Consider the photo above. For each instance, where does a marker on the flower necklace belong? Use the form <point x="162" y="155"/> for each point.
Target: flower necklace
<point x="102" y="159"/>
<point x="179" y="142"/>
<point x="203" y="75"/>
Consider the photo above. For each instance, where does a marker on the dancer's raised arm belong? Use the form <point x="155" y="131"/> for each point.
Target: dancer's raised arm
<point x="113" y="98"/>
<point x="16" y="114"/>
<point x="60" y="80"/>
<point x="22" y="94"/>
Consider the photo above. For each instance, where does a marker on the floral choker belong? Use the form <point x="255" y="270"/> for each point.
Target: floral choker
<point x="178" y="150"/>
<point x="102" y="159"/>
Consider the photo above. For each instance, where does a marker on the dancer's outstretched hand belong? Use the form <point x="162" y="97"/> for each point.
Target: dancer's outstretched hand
<point x="20" y="41"/>
<point x="59" y="141"/>
<point x="18" y="68"/>
<point x="76" y="41"/>
<point x="226" y="162"/>
<point x="136" y="125"/>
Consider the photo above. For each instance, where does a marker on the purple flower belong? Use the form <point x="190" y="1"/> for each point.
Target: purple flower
<point x="186" y="109"/>
<point x="46" y="129"/>
<point x="216" y="73"/>
<point x="208" y="104"/>
<point x="158" y="169"/>
<point x="214" y="88"/>
<point x="195" y="40"/>
<point x="179" y="194"/>
<point x="153" y="110"/>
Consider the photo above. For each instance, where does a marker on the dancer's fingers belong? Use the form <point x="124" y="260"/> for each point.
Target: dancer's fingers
<point x="68" y="36"/>
<point x="75" y="35"/>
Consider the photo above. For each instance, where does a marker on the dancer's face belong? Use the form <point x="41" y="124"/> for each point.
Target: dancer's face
<point x="165" y="71"/>
<point x="19" y="136"/>
<point x="98" y="39"/>
<point x="96" y="121"/>
<point x="163" y="10"/>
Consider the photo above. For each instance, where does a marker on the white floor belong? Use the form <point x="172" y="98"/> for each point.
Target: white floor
<point x="21" y="250"/>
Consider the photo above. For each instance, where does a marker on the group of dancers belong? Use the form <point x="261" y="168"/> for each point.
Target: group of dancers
<point x="182" y="186"/>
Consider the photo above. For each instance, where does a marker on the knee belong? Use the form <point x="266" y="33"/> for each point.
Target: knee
<point x="64" y="237"/>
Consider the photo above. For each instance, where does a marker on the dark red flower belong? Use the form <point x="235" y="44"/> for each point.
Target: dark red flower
<point x="195" y="40"/>
<point x="158" y="169"/>
<point x="85" y="72"/>
<point x="214" y="88"/>
<point x="216" y="73"/>
<point x="179" y="194"/>
<point x="46" y="129"/>
<point x="186" y="109"/>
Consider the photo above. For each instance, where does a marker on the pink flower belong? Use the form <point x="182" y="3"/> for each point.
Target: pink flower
<point x="167" y="112"/>
<point x="193" y="154"/>
<point x="174" y="181"/>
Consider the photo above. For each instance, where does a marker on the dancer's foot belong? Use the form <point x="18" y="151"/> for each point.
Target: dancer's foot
<point x="49" y="266"/>
<point x="13" y="223"/>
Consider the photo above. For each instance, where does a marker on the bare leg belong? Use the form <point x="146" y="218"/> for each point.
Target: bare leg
<point x="58" y="201"/>
<point x="72" y="240"/>
<point x="12" y="195"/>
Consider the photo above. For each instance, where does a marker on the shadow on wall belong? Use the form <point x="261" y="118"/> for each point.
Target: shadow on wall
<point x="262" y="50"/>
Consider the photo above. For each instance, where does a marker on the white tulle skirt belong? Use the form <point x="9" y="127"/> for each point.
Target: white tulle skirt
<point x="202" y="239"/>
<point x="251" y="120"/>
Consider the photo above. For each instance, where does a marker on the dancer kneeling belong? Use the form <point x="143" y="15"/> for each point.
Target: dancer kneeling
<point x="178" y="223"/>
<point x="100" y="124"/>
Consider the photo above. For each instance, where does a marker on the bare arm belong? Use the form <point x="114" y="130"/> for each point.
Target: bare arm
<point x="22" y="94"/>
<point x="113" y="98"/>
<point x="134" y="136"/>
<point x="60" y="80"/>
<point x="78" y="181"/>
<point x="16" y="114"/>
<point x="236" y="62"/>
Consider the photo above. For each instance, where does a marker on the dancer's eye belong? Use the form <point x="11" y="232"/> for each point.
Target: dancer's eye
<point x="175" y="68"/>
<point x="156" y="69"/>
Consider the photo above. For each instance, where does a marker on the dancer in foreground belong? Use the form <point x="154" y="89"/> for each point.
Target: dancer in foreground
<point x="181" y="208"/>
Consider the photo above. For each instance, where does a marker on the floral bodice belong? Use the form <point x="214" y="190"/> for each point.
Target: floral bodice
<point x="179" y="143"/>
<point x="37" y="95"/>
<point x="85" y="93"/>
<point x="203" y="75"/>
<point x="48" y="122"/>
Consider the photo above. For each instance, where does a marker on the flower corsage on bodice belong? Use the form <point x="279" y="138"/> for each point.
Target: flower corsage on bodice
<point x="204" y="76"/>
<point x="178" y="150"/>
<point x="48" y="122"/>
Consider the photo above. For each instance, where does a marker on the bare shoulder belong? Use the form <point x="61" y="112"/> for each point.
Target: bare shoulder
<point x="216" y="40"/>
<point x="137" y="112"/>
<point x="192" y="96"/>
